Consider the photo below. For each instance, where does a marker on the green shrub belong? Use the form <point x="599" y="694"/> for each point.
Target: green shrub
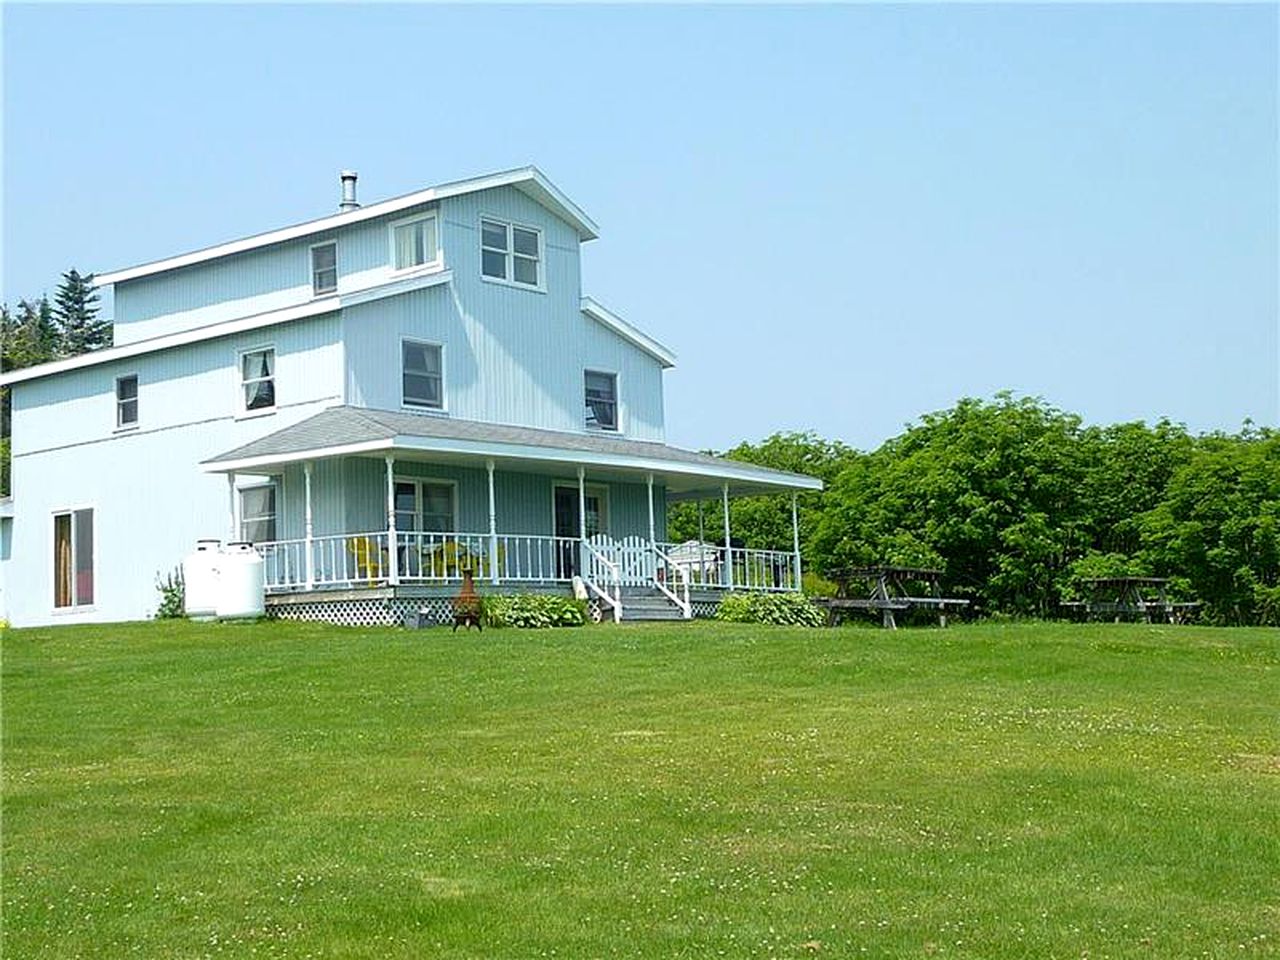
<point x="787" y="609"/>
<point x="534" y="610"/>
<point x="173" y="596"/>
<point x="816" y="585"/>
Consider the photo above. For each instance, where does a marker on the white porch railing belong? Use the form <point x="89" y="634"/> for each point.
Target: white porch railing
<point x="363" y="559"/>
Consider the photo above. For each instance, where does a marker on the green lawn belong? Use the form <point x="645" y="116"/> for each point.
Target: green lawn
<point x="666" y="791"/>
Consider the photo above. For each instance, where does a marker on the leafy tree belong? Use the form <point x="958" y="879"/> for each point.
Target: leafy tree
<point x="76" y="310"/>
<point x="989" y="491"/>
<point x="1219" y="525"/>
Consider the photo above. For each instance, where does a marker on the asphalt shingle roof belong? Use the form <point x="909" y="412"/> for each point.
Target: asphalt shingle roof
<point x="344" y="425"/>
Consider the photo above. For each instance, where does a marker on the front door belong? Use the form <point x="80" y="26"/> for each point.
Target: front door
<point x="568" y="560"/>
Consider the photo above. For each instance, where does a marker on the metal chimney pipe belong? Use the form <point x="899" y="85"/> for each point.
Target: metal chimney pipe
<point x="348" y="190"/>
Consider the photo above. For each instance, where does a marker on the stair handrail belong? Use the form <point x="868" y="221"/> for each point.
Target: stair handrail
<point x="615" y="601"/>
<point x="661" y="556"/>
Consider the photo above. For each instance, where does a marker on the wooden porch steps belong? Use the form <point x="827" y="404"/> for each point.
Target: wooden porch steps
<point x="648" y="603"/>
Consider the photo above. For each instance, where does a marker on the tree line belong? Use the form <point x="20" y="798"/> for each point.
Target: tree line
<point x="1017" y="502"/>
<point x="39" y="331"/>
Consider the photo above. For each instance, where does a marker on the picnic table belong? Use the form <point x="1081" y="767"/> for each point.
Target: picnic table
<point x="1137" y="597"/>
<point x="889" y="590"/>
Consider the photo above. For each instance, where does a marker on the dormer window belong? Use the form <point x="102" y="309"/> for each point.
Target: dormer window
<point x="602" y="400"/>
<point x="511" y="253"/>
<point x="413" y="242"/>
<point x="324" y="268"/>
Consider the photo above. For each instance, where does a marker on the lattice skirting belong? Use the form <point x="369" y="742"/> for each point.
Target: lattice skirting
<point x="373" y="612"/>
<point x="704" y="609"/>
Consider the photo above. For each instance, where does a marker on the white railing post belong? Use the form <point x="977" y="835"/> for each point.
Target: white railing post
<point x="307" y="529"/>
<point x="393" y="547"/>
<point x="795" y="539"/>
<point x="726" y="575"/>
<point x="493" y="527"/>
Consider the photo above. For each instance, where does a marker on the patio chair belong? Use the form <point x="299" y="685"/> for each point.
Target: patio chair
<point x="368" y="556"/>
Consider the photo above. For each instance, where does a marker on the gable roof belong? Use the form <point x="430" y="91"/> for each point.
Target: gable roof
<point x="353" y="431"/>
<point x="528" y="180"/>
<point x="626" y="331"/>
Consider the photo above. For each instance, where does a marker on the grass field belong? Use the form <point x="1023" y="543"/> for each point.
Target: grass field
<point x="652" y="791"/>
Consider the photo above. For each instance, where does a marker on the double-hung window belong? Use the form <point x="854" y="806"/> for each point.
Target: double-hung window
<point x="602" y="400"/>
<point x="258" y="513"/>
<point x="510" y="252"/>
<point x="324" y="268"/>
<point x="127" y="401"/>
<point x="258" y="379"/>
<point x="413" y="242"/>
<point x="422" y="374"/>
<point x="424" y="505"/>
<point x="73" y="558"/>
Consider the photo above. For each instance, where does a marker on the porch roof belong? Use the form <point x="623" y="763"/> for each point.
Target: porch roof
<point x="357" y="431"/>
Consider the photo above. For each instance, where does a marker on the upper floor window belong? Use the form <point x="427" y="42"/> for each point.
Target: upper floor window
<point x="73" y="558"/>
<point x="422" y="366"/>
<point x="324" y="268"/>
<point x="127" y="401"/>
<point x="258" y="513"/>
<point x="510" y="252"/>
<point x="258" y="379"/>
<point x="602" y="400"/>
<point x="413" y="242"/>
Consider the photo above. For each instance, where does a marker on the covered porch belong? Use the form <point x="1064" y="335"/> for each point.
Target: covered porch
<point x="408" y="504"/>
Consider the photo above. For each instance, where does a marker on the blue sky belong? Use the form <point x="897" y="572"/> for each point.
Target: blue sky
<point x="839" y="217"/>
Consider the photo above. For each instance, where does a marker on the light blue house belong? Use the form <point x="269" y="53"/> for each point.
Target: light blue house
<point x="379" y="400"/>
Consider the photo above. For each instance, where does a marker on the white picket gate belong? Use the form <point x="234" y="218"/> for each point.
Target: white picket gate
<point x="632" y="557"/>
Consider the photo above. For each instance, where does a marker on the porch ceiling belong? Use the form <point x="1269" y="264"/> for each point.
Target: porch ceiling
<point x="350" y="431"/>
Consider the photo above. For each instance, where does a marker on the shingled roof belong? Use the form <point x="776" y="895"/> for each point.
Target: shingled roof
<point x="354" y="430"/>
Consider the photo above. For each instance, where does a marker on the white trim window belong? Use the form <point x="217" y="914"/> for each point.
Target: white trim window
<point x="422" y="374"/>
<point x="413" y="242"/>
<point x="258" y="380"/>
<point x="510" y="252"/>
<point x="73" y="558"/>
<point x="601" y="394"/>
<point x="258" y="513"/>
<point x="426" y="505"/>
<point x="126" y="401"/>
<point x="324" y="268"/>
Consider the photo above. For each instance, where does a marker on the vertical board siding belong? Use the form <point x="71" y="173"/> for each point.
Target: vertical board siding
<point x="511" y="355"/>
<point x="207" y="293"/>
<point x="184" y="386"/>
<point x="523" y="500"/>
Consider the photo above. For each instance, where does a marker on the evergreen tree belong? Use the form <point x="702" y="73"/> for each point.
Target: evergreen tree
<point x="76" y="310"/>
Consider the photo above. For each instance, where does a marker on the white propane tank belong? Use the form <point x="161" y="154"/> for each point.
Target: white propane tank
<point x="200" y="580"/>
<point x="241" y="584"/>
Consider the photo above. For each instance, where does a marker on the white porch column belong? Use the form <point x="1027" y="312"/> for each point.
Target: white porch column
<point x="307" y="529"/>
<point x="582" y="522"/>
<point x="795" y="536"/>
<point x="726" y="575"/>
<point x="393" y="545"/>
<point x="652" y="539"/>
<point x="493" y="527"/>
<point x="702" y="550"/>
<point x="232" y="533"/>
